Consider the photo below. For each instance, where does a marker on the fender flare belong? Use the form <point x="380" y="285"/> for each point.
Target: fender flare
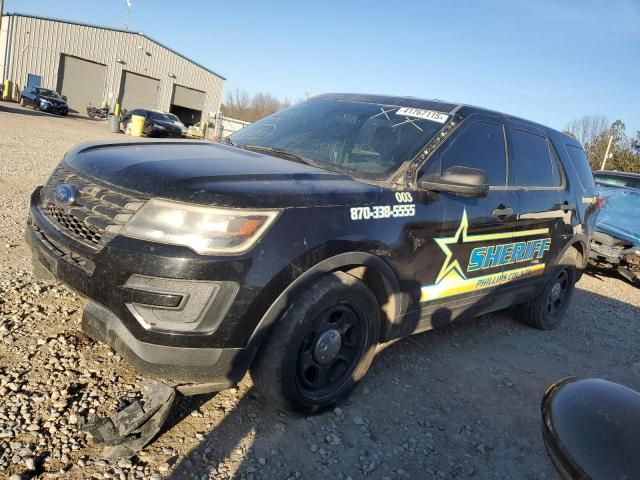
<point x="585" y="246"/>
<point x="337" y="262"/>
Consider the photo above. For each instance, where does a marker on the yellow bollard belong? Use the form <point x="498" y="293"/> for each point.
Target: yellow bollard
<point x="6" y="90"/>
<point x="116" y="112"/>
<point x="104" y="103"/>
<point x="137" y="125"/>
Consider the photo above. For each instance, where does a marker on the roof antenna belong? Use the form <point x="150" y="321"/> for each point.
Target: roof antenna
<point x="126" y="18"/>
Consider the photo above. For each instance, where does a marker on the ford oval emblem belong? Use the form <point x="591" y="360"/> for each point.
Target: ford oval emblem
<point x="64" y="194"/>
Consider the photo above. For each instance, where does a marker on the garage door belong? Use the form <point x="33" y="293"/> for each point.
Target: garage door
<point x="81" y="81"/>
<point x="138" y="91"/>
<point x="188" y="98"/>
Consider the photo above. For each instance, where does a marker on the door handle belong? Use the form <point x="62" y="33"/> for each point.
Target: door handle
<point x="566" y="206"/>
<point x="502" y="211"/>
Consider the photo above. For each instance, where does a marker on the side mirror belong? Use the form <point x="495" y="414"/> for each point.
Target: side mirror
<point x="64" y="97"/>
<point x="457" y="180"/>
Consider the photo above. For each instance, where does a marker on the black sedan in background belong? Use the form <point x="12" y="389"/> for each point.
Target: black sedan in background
<point x="156" y="124"/>
<point x="44" y="99"/>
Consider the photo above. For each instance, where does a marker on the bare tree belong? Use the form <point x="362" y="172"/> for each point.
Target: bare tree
<point x="594" y="131"/>
<point x="239" y="105"/>
<point x="588" y="129"/>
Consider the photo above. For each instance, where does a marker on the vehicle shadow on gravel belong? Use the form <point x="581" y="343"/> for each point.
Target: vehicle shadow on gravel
<point x="26" y="111"/>
<point x="464" y="402"/>
<point x="604" y="273"/>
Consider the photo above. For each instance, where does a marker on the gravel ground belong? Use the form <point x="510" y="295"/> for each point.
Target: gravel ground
<point x="459" y="402"/>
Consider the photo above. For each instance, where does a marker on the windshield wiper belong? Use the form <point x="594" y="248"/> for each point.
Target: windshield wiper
<point x="228" y="141"/>
<point x="278" y="152"/>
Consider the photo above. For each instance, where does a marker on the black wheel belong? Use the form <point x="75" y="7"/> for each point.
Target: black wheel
<point x="23" y="102"/>
<point x="322" y="346"/>
<point x="547" y="310"/>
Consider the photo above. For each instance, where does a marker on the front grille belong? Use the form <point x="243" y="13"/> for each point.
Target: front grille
<point x="74" y="224"/>
<point x="606" y="250"/>
<point x="96" y="215"/>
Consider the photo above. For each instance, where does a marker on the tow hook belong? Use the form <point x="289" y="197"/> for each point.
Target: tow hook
<point x="131" y="428"/>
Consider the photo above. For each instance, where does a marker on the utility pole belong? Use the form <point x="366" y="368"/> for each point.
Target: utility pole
<point x="606" y="155"/>
<point x="126" y="18"/>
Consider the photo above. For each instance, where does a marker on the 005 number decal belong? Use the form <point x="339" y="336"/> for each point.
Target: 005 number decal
<point x="383" y="211"/>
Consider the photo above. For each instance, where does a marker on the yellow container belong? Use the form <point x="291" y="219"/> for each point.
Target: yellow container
<point x="6" y="90"/>
<point x="137" y="125"/>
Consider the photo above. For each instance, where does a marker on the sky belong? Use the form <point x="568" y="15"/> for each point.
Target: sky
<point x="548" y="61"/>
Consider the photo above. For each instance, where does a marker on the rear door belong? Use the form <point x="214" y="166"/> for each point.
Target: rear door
<point x="545" y="211"/>
<point x="466" y="264"/>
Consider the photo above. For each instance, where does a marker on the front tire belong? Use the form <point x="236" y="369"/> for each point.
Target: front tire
<point x="322" y="346"/>
<point x="23" y="102"/>
<point x="547" y="310"/>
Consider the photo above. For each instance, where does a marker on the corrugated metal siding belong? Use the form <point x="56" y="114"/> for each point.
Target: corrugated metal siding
<point x="36" y="46"/>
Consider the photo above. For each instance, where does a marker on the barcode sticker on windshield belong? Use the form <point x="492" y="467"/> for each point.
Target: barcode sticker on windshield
<point x="424" y="114"/>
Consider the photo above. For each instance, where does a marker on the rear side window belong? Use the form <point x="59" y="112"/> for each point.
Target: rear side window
<point x="480" y="145"/>
<point x="581" y="166"/>
<point x="532" y="164"/>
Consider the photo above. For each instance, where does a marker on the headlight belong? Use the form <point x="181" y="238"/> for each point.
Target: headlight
<point x="205" y="230"/>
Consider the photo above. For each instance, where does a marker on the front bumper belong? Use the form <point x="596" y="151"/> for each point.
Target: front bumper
<point x="215" y="356"/>
<point x="58" y="110"/>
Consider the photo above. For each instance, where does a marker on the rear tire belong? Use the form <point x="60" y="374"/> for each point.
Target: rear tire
<point x="322" y="346"/>
<point x="23" y="102"/>
<point x="547" y="310"/>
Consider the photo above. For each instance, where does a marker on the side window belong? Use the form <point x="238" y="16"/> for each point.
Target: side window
<point x="532" y="164"/>
<point x="582" y="168"/>
<point x="480" y="145"/>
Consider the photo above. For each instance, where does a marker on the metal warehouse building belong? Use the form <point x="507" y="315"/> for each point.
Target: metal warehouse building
<point x="92" y="64"/>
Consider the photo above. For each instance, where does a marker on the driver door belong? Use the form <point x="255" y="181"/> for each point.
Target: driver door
<point x="467" y="257"/>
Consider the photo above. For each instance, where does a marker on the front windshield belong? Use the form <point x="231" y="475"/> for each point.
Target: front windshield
<point x="366" y="140"/>
<point x="171" y="117"/>
<point x="158" y="116"/>
<point x="48" y="93"/>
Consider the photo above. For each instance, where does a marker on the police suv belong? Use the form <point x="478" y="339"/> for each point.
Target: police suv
<point x="311" y="236"/>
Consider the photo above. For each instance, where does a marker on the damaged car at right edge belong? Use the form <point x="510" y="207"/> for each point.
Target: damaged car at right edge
<point x="615" y="243"/>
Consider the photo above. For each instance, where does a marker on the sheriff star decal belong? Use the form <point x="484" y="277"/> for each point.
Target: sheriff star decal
<point x="504" y="249"/>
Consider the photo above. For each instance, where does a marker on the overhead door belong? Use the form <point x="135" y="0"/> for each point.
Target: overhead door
<point x="138" y="91"/>
<point x="187" y="104"/>
<point x="81" y="81"/>
<point x="188" y="98"/>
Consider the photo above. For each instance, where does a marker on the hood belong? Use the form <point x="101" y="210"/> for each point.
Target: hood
<point x="54" y="100"/>
<point x="168" y="124"/>
<point x="214" y="174"/>
<point x="620" y="213"/>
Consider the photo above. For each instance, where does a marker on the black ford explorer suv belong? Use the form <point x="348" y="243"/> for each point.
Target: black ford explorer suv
<point x="313" y="235"/>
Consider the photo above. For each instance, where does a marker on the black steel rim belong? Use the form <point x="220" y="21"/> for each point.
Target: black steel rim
<point x="321" y="377"/>
<point x="559" y="293"/>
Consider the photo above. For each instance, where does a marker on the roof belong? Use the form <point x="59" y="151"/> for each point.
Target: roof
<point x="121" y="30"/>
<point x="616" y="173"/>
